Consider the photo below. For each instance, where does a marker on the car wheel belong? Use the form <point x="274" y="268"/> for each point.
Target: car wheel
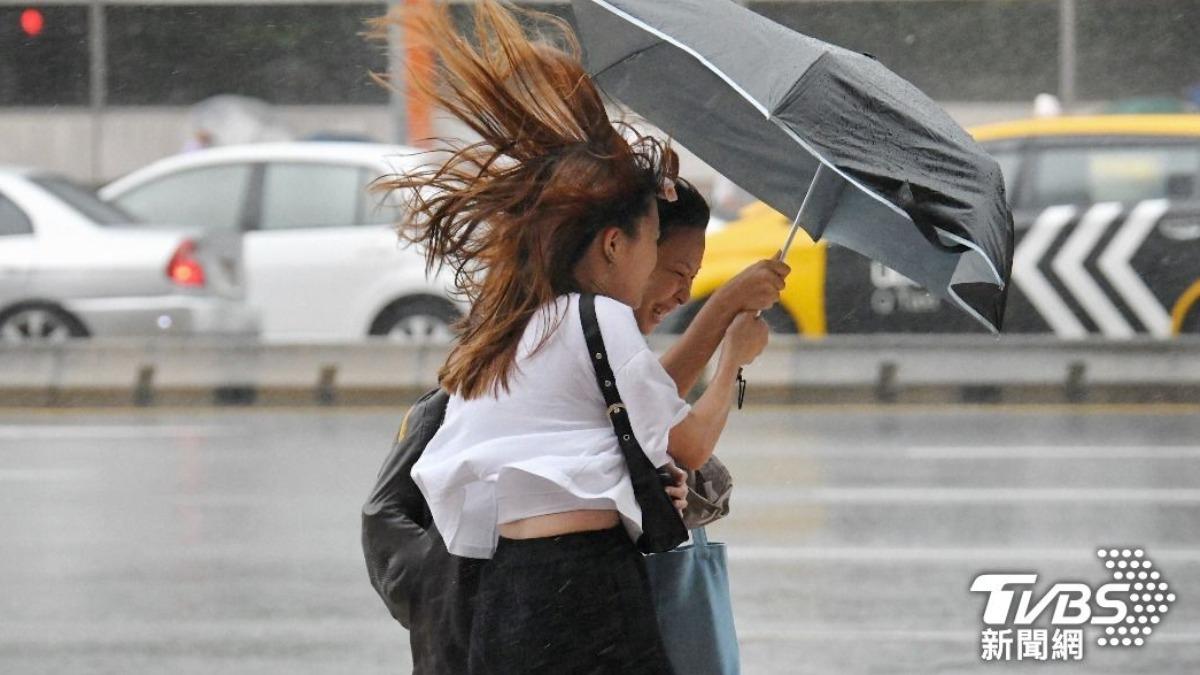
<point x="777" y="318"/>
<point x="39" y="324"/>
<point x="417" y="320"/>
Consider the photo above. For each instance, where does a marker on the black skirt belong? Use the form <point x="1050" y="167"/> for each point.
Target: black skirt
<point x="574" y="604"/>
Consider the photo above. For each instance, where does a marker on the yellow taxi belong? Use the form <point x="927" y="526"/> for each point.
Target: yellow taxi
<point x="1134" y="269"/>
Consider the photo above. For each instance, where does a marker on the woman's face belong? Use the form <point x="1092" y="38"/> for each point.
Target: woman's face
<point x="634" y="260"/>
<point x="679" y="256"/>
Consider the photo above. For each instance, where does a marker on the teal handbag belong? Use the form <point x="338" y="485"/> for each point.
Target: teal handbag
<point x="690" y="586"/>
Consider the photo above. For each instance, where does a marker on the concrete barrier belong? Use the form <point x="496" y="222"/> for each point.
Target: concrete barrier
<point x="849" y="369"/>
<point x="980" y="369"/>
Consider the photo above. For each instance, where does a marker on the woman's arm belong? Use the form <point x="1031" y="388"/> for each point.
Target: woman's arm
<point x="692" y="441"/>
<point x="756" y="288"/>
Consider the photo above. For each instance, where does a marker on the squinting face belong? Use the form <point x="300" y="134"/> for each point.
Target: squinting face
<point x="670" y="286"/>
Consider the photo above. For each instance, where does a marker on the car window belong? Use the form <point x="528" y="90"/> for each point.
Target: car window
<point x="84" y="201"/>
<point x="379" y="208"/>
<point x="1122" y="174"/>
<point x="13" y="220"/>
<point x="210" y="197"/>
<point x="311" y="195"/>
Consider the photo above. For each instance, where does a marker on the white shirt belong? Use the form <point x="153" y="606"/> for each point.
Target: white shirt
<point x="547" y="445"/>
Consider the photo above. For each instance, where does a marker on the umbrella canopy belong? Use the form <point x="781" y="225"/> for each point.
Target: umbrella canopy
<point x="877" y="166"/>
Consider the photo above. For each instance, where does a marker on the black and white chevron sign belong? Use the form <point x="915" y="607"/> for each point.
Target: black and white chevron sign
<point x="1083" y="269"/>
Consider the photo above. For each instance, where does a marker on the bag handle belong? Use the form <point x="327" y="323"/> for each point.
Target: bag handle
<point x="662" y="526"/>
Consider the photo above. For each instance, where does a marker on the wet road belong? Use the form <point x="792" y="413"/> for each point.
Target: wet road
<point x="206" y="541"/>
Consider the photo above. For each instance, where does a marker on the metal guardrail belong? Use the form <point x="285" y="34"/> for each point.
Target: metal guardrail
<point x="843" y="369"/>
<point x="978" y="369"/>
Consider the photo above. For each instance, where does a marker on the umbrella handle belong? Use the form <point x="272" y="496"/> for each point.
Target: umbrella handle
<point x="779" y="255"/>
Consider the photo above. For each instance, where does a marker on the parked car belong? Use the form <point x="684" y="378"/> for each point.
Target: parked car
<point x="322" y="259"/>
<point x="73" y="266"/>
<point x="1107" y="215"/>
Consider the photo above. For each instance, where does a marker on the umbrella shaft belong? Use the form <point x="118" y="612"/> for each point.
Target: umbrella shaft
<point x="807" y="212"/>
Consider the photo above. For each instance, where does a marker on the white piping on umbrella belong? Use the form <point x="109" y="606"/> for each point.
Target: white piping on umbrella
<point x="661" y="35"/>
<point x="792" y="134"/>
<point x="750" y="99"/>
<point x="871" y="193"/>
<point x="973" y="246"/>
<point x="971" y="310"/>
<point x="965" y="242"/>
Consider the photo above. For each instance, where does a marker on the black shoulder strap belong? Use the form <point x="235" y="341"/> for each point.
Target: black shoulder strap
<point x="662" y="526"/>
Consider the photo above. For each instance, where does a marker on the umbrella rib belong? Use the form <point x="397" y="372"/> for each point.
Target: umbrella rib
<point x="596" y="75"/>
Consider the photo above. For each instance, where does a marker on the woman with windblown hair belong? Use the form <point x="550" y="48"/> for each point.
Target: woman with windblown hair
<point x="526" y="469"/>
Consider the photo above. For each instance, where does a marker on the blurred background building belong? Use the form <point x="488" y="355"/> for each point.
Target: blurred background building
<point x="94" y="90"/>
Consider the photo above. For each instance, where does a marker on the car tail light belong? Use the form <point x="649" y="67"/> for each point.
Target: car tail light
<point x="185" y="268"/>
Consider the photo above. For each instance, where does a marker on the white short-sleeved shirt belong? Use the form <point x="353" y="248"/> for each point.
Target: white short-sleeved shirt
<point x="547" y="445"/>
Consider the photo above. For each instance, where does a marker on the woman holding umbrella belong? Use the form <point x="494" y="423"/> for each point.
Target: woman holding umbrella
<point x="526" y="470"/>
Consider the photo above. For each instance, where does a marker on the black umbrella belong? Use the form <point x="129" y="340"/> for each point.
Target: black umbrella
<point x="862" y="157"/>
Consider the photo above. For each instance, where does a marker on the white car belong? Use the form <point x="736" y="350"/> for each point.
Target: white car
<point x="73" y="266"/>
<point x="322" y="259"/>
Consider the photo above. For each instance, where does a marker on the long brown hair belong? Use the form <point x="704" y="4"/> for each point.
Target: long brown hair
<point x="513" y="213"/>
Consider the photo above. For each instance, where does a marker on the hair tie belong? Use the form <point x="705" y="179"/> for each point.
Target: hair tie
<point x="667" y="190"/>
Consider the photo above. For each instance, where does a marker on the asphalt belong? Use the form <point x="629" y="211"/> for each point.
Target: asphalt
<point x="227" y="541"/>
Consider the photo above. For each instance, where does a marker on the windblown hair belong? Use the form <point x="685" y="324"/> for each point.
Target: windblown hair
<point x="512" y="214"/>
